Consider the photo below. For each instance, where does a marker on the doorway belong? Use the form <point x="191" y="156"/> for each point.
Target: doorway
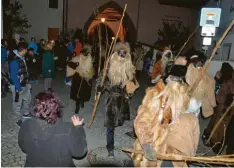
<point x="53" y="33"/>
<point x="110" y="15"/>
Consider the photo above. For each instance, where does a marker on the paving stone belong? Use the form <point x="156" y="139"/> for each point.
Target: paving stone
<point x="21" y="163"/>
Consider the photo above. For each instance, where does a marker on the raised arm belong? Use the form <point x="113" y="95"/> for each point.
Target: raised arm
<point x="77" y="141"/>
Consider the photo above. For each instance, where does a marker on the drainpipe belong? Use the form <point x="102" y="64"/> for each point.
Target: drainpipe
<point x="66" y="15"/>
<point x="138" y="15"/>
<point x="63" y="17"/>
<point x="65" y="11"/>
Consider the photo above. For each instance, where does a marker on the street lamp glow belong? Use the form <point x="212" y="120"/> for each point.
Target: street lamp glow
<point x="103" y="20"/>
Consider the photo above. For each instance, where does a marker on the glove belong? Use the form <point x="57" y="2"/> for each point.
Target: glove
<point x="149" y="152"/>
<point x="100" y="88"/>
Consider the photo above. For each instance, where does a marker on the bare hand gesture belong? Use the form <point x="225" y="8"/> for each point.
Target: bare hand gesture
<point x="76" y="120"/>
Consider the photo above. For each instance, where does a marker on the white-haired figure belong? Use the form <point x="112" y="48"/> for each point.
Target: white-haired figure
<point x="161" y="67"/>
<point x="80" y="68"/>
<point x="120" y="84"/>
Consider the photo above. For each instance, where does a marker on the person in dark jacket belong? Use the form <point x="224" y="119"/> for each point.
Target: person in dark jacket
<point x="80" y="68"/>
<point x="120" y="84"/>
<point x="47" y="140"/>
<point x="62" y="53"/>
<point x="48" y="66"/>
<point x="41" y="46"/>
<point x="31" y="61"/>
<point x="20" y="88"/>
<point x="4" y="67"/>
<point x="224" y="98"/>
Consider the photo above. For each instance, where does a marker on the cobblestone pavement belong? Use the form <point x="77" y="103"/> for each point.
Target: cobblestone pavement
<point x="12" y="156"/>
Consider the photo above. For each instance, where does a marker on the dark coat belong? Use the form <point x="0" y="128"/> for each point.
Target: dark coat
<point x="80" y="88"/>
<point x="31" y="62"/>
<point x="117" y="105"/>
<point x="49" y="145"/>
<point x="63" y="54"/>
<point x="48" y="64"/>
<point x="224" y="98"/>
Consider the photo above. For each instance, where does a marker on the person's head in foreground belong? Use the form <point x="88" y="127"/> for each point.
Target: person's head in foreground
<point x="47" y="107"/>
<point x="47" y="140"/>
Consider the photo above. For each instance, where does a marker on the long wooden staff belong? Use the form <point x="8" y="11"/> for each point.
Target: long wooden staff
<point x="100" y="48"/>
<point x="220" y="120"/>
<point x="106" y="66"/>
<point x="187" y="41"/>
<point x="212" y="160"/>
<point x="204" y="69"/>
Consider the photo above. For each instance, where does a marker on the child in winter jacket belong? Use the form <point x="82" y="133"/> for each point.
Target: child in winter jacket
<point x="31" y="62"/>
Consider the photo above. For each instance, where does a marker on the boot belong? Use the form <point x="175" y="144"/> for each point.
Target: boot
<point x="77" y="108"/>
<point x="111" y="154"/>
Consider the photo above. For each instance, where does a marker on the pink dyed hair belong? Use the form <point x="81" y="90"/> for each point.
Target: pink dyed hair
<point x="47" y="107"/>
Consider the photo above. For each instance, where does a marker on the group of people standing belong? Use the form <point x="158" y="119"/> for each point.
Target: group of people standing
<point x="37" y="135"/>
<point x="167" y="116"/>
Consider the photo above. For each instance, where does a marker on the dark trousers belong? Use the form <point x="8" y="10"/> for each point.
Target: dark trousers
<point x="230" y="137"/>
<point x="138" y="74"/>
<point x="110" y="133"/>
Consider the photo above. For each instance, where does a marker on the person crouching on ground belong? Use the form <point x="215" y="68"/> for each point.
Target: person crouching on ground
<point x="48" y="66"/>
<point x="80" y="68"/>
<point x="47" y="140"/>
<point x="32" y="66"/>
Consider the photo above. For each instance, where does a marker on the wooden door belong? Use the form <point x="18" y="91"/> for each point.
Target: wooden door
<point x="53" y="33"/>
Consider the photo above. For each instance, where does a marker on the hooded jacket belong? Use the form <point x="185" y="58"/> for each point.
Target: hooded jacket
<point x="18" y="71"/>
<point x="51" y="145"/>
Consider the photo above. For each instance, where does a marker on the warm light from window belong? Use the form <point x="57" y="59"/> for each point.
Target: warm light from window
<point x="103" y="20"/>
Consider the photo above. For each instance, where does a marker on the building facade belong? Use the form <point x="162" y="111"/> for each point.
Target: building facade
<point x="226" y="52"/>
<point x="44" y="16"/>
<point x="146" y="16"/>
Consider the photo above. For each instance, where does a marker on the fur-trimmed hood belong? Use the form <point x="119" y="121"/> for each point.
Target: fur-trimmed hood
<point x="122" y="46"/>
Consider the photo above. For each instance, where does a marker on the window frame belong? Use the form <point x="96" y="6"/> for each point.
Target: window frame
<point x="53" y="7"/>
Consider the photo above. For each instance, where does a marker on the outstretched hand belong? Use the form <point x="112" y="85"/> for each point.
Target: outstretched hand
<point x="76" y="121"/>
<point x="149" y="152"/>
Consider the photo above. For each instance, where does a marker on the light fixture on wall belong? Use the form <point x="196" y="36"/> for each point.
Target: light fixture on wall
<point x="103" y="20"/>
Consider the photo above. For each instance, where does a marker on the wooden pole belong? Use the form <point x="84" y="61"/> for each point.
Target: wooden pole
<point x="187" y="41"/>
<point x="204" y="69"/>
<point x="213" y="160"/>
<point x="100" y="46"/>
<point x="105" y="70"/>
